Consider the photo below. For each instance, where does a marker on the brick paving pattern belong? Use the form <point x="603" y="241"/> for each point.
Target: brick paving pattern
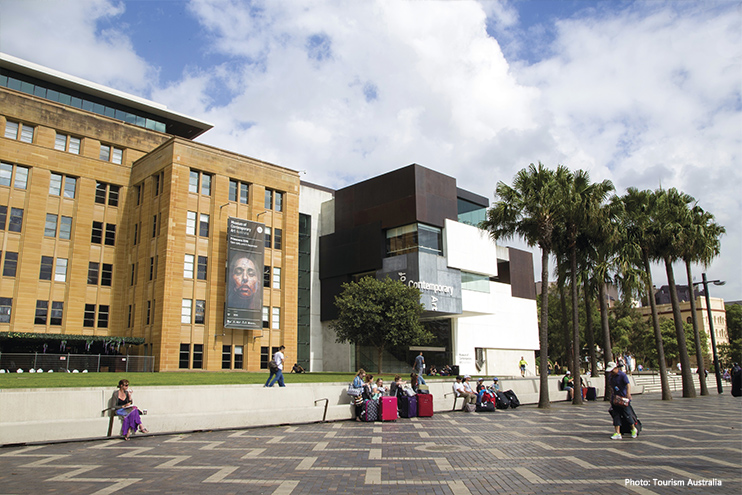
<point x="566" y="449"/>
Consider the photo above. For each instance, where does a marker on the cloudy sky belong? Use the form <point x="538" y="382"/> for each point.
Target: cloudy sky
<point x="642" y="93"/>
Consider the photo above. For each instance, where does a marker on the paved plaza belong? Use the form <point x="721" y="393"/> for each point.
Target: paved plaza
<point x="688" y="446"/>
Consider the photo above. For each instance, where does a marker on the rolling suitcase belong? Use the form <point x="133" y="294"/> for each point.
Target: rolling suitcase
<point x="424" y="405"/>
<point x="514" y="402"/>
<point x="486" y="407"/>
<point x="407" y="406"/>
<point x="591" y="393"/>
<point x="370" y="410"/>
<point x="502" y="401"/>
<point x="629" y="419"/>
<point x="388" y="408"/>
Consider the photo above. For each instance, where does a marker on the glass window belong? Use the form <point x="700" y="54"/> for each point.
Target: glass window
<point x="11" y="130"/>
<point x="198" y="356"/>
<point x="203" y="227"/>
<point x="185" y="311"/>
<point x="266" y="316"/>
<point x="188" y="266"/>
<point x="65" y="227"/>
<point x="74" y="146"/>
<point x="70" y="183"/>
<point x="244" y="193"/>
<point x="45" y="270"/>
<point x="96" y="237"/>
<point x="42" y="310"/>
<point x="149" y="312"/>
<point x="233" y="184"/>
<point x="151" y="267"/>
<point x="132" y="273"/>
<point x="206" y="184"/>
<point x="16" y="220"/>
<point x="3" y="216"/>
<point x="268" y="199"/>
<point x="103" y="316"/>
<point x="203" y="264"/>
<point x="106" y="274"/>
<point x="105" y="152"/>
<point x="277" y="239"/>
<point x="185" y="356"/>
<point x="276" y="277"/>
<point x="6" y="305"/>
<point x="267" y="237"/>
<point x="11" y="264"/>
<point x="238" y="352"/>
<point x="27" y="134"/>
<point x="21" y="177"/>
<point x="157" y="184"/>
<point x="117" y="155"/>
<point x="88" y="318"/>
<point x="279" y="201"/>
<point x="50" y="228"/>
<point x="200" y="315"/>
<point x="266" y="276"/>
<point x="110" y="234"/>
<point x="6" y="174"/>
<point x="93" y="270"/>
<point x="55" y="184"/>
<point x="57" y="313"/>
<point x="413" y="238"/>
<point x="276" y="319"/>
<point x="113" y="195"/>
<point x="60" y="142"/>
<point x="60" y="271"/>
<point x="226" y="356"/>
<point x="100" y="192"/>
<point x="191" y="223"/>
<point x="193" y="182"/>
<point x="154" y="225"/>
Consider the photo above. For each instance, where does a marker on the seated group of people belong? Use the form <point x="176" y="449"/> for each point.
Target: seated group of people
<point x="375" y="389"/>
<point x="444" y="371"/>
<point x="462" y="388"/>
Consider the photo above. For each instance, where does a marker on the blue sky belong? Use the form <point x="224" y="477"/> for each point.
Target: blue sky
<point x="642" y="93"/>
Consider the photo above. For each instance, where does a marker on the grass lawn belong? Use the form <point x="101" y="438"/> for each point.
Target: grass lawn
<point x="61" y="380"/>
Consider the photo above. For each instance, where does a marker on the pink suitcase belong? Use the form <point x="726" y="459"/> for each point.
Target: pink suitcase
<point x="388" y="408"/>
<point x="424" y="405"/>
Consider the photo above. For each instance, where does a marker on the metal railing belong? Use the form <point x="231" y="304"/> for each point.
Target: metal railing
<point x="11" y="362"/>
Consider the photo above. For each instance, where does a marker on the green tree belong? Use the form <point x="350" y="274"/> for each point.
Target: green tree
<point x="700" y="244"/>
<point x="732" y="352"/>
<point x="379" y="313"/>
<point x="528" y="210"/>
<point x="669" y="221"/>
<point x="635" y="250"/>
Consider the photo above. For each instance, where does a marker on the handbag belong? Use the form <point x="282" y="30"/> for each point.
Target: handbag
<point x="354" y="392"/>
<point x="272" y="366"/>
<point x="619" y="401"/>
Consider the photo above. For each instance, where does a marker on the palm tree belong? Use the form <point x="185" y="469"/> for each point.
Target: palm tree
<point x="700" y="244"/>
<point x="670" y="214"/>
<point x="528" y="210"/>
<point x="580" y="203"/>
<point x="634" y="250"/>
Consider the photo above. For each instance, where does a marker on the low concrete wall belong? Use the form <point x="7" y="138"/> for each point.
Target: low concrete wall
<point x="48" y="415"/>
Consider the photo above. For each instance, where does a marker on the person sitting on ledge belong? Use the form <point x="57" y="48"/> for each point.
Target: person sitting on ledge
<point x="128" y="410"/>
<point x="568" y="384"/>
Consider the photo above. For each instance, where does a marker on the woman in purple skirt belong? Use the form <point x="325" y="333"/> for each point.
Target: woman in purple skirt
<point x="128" y="410"/>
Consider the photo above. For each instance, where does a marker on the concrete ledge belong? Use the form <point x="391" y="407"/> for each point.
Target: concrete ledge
<point x="62" y="414"/>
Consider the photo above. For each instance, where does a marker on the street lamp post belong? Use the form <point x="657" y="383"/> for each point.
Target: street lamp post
<point x="705" y="283"/>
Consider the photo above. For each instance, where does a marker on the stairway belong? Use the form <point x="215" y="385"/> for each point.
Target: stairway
<point x="651" y="382"/>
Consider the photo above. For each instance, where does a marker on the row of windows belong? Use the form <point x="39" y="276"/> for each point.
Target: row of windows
<point x="192" y="356"/>
<point x="197" y="361"/>
<point x="74" y="101"/>
<point x="62" y="142"/>
<point x="200" y="268"/>
<point x="43" y="314"/>
<point x="54" y="313"/>
<point x="88" y="319"/>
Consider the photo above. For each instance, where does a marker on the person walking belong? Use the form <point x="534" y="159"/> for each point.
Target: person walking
<point x="522" y="363"/>
<point x="620" y="388"/>
<point x="277" y="372"/>
<point x="420" y="368"/>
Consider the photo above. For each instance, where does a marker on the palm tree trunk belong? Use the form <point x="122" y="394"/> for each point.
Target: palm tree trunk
<point x="589" y="336"/>
<point x="689" y="390"/>
<point x="577" y="395"/>
<point x="696" y="333"/>
<point x="666" y="394"/>
<point x="607" y="349"/>
<point x="566" y="334"/>
<point x="543" y="334"/>
<point x="381" y="354"/>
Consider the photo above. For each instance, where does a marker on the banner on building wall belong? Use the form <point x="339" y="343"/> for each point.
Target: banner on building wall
<point x="245" y="253"/>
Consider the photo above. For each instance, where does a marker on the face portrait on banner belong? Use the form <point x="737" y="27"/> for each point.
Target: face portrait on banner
<point x="244" y="287"/>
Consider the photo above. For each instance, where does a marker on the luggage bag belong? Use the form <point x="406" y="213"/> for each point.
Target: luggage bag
<point x="407" y="406"/>
<point x="592" y="394"/>
<point x="486" y="407"/>
<point x="370" y="410"/>
<point x="424" y="405"/>
<point x="514" y="402"/>
<point x="628" y="420"/>
<point x="502" y="401"/>
<point x="388" y="408"/>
